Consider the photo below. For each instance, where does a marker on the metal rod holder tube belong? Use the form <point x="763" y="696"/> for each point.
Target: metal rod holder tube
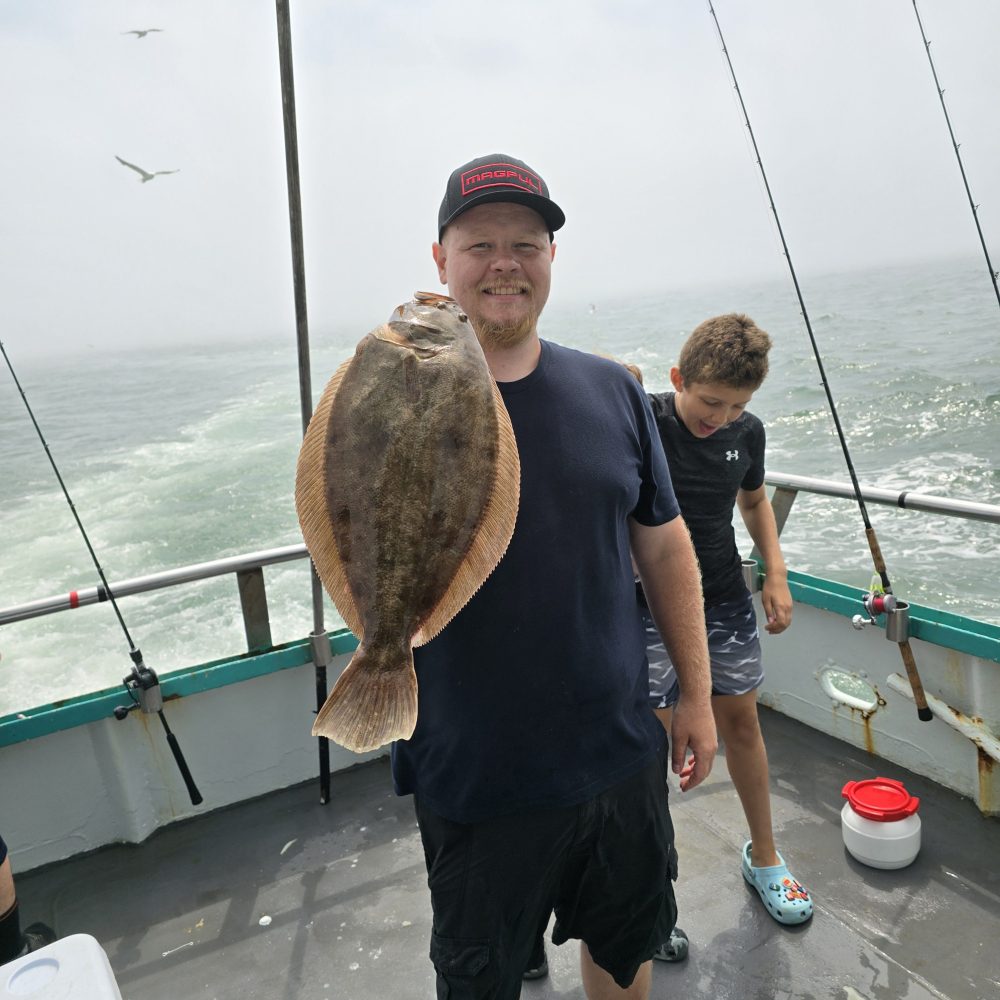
<point x="897" y="623"/>
<point x="751" y="575"/>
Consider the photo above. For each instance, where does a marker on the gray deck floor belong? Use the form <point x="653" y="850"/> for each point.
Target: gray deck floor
<point x="285" y="899"/>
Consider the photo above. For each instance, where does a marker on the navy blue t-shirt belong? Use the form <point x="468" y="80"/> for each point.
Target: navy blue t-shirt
<point x="536" y="693"/>
<point x="707" y="473"/>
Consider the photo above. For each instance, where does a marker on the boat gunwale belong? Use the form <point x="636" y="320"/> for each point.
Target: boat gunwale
<point x="96" y="706"/>
<point x="940" y="628"/>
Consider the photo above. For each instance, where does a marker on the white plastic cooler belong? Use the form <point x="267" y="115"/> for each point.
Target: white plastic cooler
<point x="72" y="968"/>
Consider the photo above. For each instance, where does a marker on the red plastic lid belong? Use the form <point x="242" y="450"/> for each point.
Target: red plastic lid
<point x="880" y="799"/>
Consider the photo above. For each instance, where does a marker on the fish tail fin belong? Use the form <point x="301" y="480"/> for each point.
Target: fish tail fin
<point x="373" y="702"/>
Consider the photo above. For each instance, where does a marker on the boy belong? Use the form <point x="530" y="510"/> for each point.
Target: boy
<point x="715" y="451"/>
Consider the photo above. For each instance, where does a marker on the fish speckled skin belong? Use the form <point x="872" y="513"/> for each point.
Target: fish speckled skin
<point x="407" y="492"/>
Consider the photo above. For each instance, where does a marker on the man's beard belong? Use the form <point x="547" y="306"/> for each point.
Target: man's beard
<point x="497" y="336"/>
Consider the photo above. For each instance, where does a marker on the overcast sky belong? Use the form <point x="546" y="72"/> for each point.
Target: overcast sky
<point x="624" y="106"/>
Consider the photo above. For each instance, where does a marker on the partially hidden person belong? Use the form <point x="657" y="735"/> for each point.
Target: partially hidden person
<point x="715" y="451"/>
<point x="15" y="942"/>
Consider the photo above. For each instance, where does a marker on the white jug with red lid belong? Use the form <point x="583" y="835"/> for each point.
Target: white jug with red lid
<point x="879" y="822"/>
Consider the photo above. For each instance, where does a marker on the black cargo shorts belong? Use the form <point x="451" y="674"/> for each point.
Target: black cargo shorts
<point x="604" y="866"/>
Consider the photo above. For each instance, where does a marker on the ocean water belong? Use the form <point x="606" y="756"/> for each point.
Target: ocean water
<point x="181" y="455"/>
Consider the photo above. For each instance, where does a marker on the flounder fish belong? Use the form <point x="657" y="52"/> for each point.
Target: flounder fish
<point x="407" y="492"/>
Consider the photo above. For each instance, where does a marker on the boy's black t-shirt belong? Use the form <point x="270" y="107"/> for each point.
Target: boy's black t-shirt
<point x="537" y="693"/>
<point x="707" y="473"/>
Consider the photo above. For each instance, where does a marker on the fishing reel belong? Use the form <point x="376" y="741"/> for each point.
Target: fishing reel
<point x="143" y="687"/>
<point x="877" y="602"/>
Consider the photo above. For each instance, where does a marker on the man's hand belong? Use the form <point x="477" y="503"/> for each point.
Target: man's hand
<point x="692" y="728"/>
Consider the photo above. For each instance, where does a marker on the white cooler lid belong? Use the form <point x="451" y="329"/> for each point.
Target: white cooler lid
<point x="71" y="968"/>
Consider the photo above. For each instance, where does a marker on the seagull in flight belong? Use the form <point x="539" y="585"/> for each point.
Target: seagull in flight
<point x="141" y="33"/>
<point x="144" y="175"/>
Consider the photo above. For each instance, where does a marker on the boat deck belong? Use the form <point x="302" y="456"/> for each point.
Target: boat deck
<point x="285" y="899"/>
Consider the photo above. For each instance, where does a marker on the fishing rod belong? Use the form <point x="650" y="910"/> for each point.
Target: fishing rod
<point x="142" y="684"/>
<point x="875" y="603"/>
<point x="958" y="155"/>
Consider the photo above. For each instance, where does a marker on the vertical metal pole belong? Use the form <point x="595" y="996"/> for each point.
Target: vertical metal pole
<point x="318" y="635"/>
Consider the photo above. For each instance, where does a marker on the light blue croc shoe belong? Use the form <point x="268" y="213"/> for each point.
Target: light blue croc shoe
<point x="785" y="898"/>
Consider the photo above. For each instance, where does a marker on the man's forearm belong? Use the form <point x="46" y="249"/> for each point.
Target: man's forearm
<point x="672" y="581"/>
<point x="674" y="595"/>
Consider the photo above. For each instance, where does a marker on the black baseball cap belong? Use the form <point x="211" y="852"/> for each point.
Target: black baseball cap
<point x="497" y="177"/>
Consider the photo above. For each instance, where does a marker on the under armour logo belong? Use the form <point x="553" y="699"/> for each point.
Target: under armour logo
<point x="732" y="455"/>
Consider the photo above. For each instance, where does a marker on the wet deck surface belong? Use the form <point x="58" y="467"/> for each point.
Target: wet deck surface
<point x="283" y="898"/>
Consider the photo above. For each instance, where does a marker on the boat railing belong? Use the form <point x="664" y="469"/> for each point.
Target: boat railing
<point x="787" y="487"/>
<point x="248" y="567"/>
<point x="906" y="499"/>
<point x="250" y="576"/>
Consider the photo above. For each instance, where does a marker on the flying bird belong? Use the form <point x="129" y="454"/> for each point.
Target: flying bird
<point x="144" y="175"/>
<point x="141" y="32"/>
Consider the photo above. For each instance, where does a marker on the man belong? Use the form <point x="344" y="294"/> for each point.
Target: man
<point x="537" y="764"/>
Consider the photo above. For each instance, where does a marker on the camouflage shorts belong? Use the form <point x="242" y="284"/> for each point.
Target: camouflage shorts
<point x="733" y="648"/>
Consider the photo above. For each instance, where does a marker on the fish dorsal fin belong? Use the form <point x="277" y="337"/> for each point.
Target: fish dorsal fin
<point x="313" y="509"/>
<point x="494" y="533"/>
<point x="430" y="298"/>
